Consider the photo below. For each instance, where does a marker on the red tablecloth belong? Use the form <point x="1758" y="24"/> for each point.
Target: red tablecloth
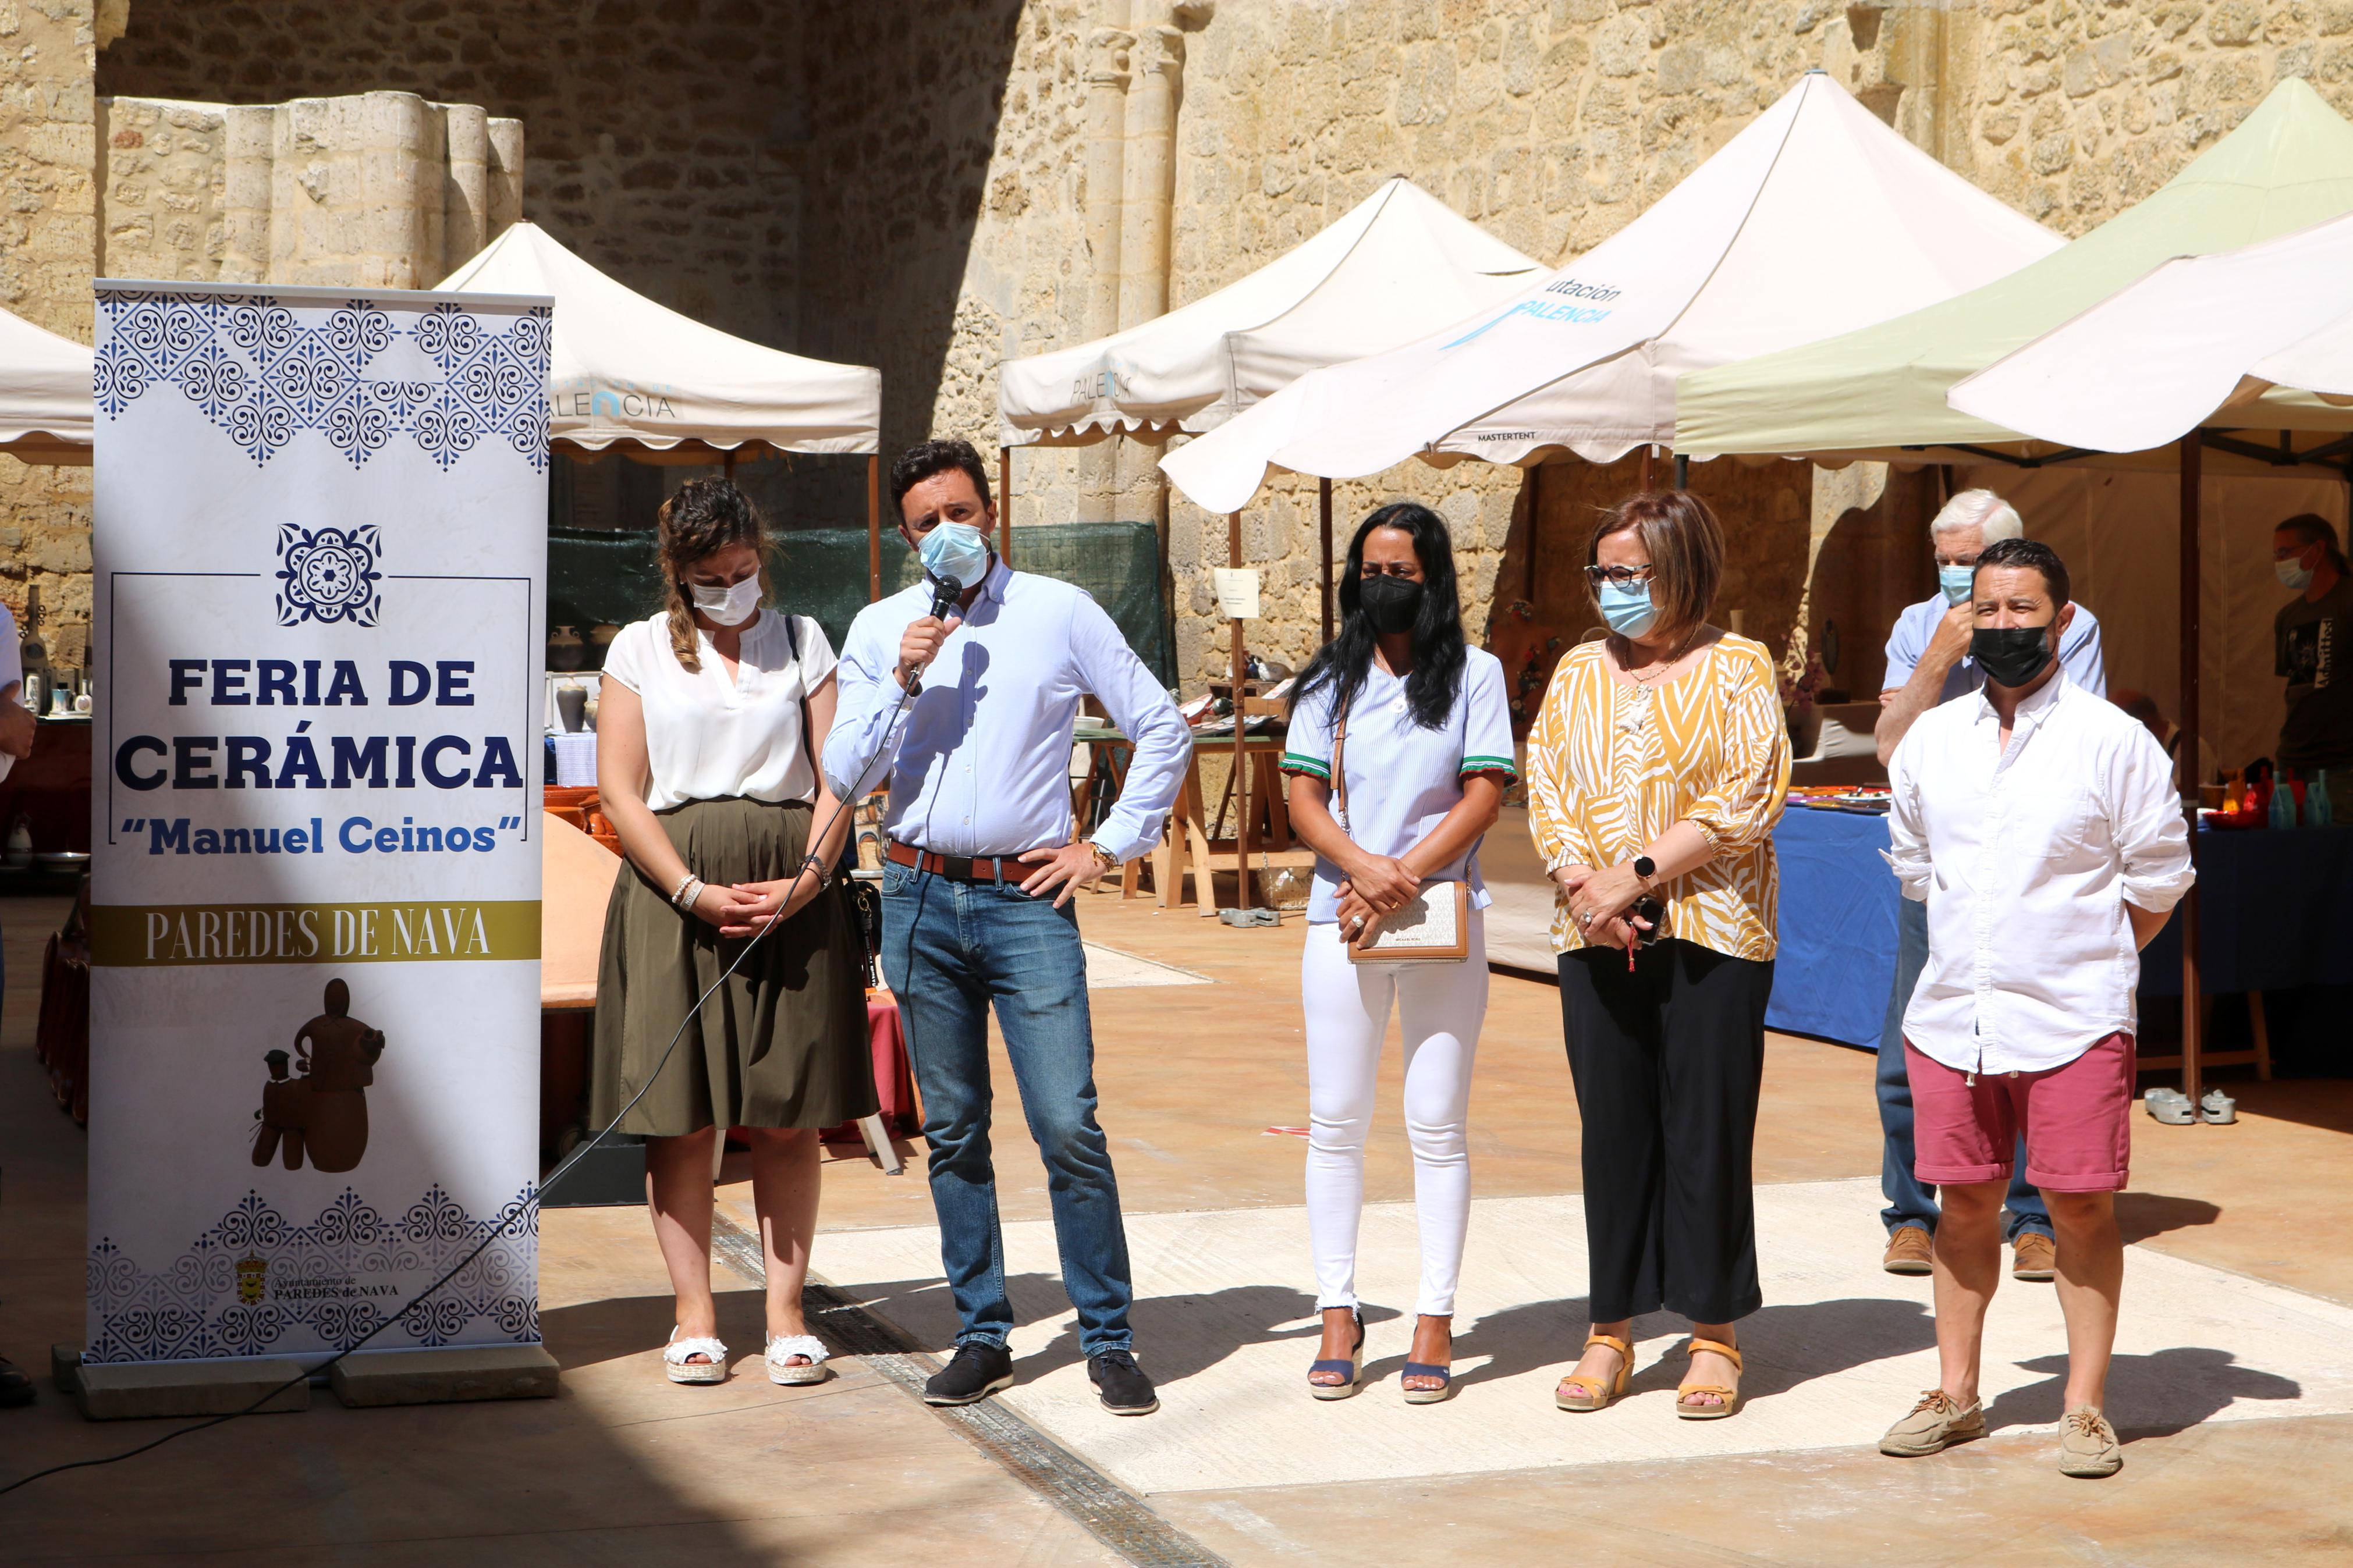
<point x="894" y="1077"/>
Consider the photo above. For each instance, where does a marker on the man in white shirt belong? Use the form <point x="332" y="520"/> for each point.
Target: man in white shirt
<point x="1928" y="663"/>
<point x="2040" y="825"/>
<point x="980" y="866"/>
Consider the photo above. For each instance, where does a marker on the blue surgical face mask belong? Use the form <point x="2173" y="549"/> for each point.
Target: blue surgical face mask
<point x="1957" y="582"/>
<point x="955" y="553"/>
<point x="2293" y="574"/>
<point x="1627" y="608"/>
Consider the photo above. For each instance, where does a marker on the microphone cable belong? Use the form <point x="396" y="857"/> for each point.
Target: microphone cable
<point x="530" y="1205"/>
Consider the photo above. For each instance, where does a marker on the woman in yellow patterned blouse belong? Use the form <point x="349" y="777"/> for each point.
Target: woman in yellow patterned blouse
<point x="1656" y="772"/>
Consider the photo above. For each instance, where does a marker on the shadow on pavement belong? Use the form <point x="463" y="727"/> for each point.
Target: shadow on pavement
<point x="2152" y="1395"/>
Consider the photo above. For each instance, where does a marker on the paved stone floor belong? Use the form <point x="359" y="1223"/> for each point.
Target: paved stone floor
<point x="2237" y="1232"/>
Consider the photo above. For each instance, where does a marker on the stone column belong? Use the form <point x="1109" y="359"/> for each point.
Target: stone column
<point x="466" y="190"/>
<point x="400" y="189"/>
<point x="244" y="193"/>
<point x="1150" y="190"/>
<point x="504" y="175"/>
<point x="1107" y="80"/>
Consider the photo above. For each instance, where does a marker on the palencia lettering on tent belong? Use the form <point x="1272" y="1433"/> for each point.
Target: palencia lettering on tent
<point x="1547" y="310"/>
<point x="588" y="400"/>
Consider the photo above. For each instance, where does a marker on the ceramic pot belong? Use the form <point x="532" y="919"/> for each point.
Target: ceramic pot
<point x="564" y="649"/>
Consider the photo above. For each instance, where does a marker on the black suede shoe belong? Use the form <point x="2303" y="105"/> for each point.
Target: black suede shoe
<point x="976" y="1372"/>
<point x="1124" y="1389"/>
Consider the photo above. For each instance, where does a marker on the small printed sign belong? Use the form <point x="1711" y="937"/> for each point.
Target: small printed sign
<point x="1237" y="592"/>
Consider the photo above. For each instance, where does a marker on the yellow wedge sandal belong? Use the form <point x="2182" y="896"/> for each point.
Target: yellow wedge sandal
<point x="1731" y="1396"/>
<point x="1585" y="1393"/>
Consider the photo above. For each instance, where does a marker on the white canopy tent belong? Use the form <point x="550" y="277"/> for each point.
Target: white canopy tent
<point x="45" y="394"/>
<point x="1815" y="219"/>
<point x="2196" y="341"/>
<point x="1399" y="264"/>
<point x="629" y="374"/>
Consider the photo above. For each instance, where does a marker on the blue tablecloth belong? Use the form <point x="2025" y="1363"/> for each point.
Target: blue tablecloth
<point x="1837" y="960"/>
<point x="2276" y="911"/>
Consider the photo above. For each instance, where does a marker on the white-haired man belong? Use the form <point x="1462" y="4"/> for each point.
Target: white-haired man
<point x="1928" y="663"/>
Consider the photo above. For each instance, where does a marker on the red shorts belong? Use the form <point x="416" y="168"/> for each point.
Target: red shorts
<point x="2077" y="1120"/>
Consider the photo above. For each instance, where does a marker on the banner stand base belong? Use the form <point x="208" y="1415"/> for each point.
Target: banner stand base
<point x="130" y="1391"/>
<point x="143" y="1389"/>
<point x="443" y="1376"/>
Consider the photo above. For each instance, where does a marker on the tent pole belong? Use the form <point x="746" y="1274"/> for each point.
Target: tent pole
<point x="2193" y="455"/>
<point x="1683" y="471"/>
<point x="1005" y="503"/>
<point x="873" y="527"/>
<point x="1643" y="482"/>
<point x="1240" y="791"/>
<point x="727" y="465"/>
<point x="1324" y="517"/>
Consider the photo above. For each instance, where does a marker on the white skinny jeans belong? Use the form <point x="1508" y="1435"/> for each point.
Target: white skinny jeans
<point x="1439" y="1008"/>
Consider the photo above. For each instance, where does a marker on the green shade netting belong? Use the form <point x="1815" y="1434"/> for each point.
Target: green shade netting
<point x="610" y="575"/>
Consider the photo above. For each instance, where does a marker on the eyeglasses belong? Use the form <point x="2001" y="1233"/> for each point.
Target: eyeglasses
<point x="1623" y="576"/>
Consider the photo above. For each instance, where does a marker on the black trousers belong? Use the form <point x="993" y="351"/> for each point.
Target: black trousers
<point x="1667" y="1062"/>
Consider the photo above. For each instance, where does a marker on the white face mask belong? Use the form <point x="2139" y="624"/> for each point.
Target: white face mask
<point x="730" y="605"/>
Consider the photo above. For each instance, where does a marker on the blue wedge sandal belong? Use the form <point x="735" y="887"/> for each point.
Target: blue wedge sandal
<point x="1353" y="1367"/>
<point x="1444" y="1374"/>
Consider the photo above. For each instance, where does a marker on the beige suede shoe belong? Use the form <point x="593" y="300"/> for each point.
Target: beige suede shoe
<point x="2032" y="1256"/>
<point x="1936" y="1423"/>
<point x="1909" y="1251"/>
<point x="2088" y="1446"/>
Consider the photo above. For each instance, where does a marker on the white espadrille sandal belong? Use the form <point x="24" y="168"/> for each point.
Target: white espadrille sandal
<point x="681" y="1370"/>
<point x="782" y="1347"/>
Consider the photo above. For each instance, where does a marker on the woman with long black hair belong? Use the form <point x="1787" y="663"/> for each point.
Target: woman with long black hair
<point x="1399" y="751"/>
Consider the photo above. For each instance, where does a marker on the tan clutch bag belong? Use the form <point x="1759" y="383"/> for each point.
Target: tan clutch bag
<point x="1434" y="925"/>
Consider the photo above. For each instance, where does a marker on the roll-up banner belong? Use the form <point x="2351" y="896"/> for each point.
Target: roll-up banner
<point x="320" y="556"/>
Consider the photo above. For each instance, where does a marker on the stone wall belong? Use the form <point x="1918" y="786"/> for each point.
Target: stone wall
<point x="665" y="137"/>
<point x="48" y="234"/>
<point x="2072" y="112"/>
<point x="925" y="185"/>
<point x="1553" y="124"/>
<point x="382" y="190"/>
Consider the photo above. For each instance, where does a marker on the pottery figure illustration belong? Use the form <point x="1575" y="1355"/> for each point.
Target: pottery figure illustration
<point x="285" y="1113"/>
<point x="338" y="1054"/>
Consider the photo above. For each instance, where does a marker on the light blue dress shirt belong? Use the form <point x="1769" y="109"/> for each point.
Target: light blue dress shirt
<point x="983" y="765"/>
<point x="1403" y="779"/>
<point x="2079" y="652"/>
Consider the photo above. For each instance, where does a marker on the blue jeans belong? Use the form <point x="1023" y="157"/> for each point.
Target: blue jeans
<point x="1911" y="1201"/>
<point x="951" y="951"/>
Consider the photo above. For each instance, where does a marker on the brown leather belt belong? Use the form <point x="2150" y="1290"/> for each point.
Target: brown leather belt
<point x="957" y="868"/>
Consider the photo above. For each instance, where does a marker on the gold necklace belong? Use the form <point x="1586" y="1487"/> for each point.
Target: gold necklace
<point x="1646" y="683"/>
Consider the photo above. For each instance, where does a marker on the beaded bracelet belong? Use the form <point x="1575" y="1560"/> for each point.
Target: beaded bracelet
<point x="688" y="892"/>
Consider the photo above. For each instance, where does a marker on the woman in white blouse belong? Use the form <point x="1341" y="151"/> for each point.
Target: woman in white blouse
<point x="708" y="731"/>
<point x="1399" y="751"/>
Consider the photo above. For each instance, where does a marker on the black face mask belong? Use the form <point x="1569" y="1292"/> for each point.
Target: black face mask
<point x="2011" y="656"/>
<point x="1391" y="604"/>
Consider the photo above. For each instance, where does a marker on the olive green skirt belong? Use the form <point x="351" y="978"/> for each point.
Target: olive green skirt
<point x="782" y="1043"/>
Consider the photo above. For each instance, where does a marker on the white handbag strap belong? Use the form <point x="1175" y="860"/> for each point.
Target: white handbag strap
<point x="1340" y="774"/>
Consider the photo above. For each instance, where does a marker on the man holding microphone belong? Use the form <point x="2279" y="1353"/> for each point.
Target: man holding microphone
<point x="980" y="866"/>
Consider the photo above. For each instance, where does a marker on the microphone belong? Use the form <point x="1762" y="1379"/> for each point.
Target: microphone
<point x="945" y="595"/>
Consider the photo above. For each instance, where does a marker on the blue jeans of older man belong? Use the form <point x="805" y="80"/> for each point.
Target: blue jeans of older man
<point x="1911" y="1201"/>
<point x="951" y="951"/>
